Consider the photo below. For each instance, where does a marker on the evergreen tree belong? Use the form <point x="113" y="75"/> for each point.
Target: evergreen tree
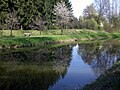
<point x="27" y="12"/>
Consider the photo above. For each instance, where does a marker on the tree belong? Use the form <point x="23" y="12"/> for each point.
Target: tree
<point x="102" y="6"/>
<point x="27" y="11"/>
<point x="12" y="22"/>
<point x="90" y="12"/>
<point x="116" y="23"/>
<point x="37" y="24"/>
<point x="82" y="22"/>
<point x="107" y="26"/>
<point x="62" y="14"/>
<point x="3" y="13"/>
<point x="74" y="24"/>
<point x="108" y="10"/>
<point x="91" y="24"/>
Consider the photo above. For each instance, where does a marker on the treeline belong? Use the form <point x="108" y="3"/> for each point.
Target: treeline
<point x="101" y="15"/>
<point x="28" y="14"/>
<point x="57" y="14"/>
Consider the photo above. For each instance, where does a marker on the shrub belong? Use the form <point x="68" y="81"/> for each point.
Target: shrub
<point x="91" y="24"/>
<point x="107" y="26"/>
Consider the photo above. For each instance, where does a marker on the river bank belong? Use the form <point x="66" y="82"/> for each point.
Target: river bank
<point x="109" y="81"/>
<point x="22" y="41"/>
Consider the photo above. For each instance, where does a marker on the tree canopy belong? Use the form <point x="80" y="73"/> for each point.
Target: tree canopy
<point x="27" y="12"/>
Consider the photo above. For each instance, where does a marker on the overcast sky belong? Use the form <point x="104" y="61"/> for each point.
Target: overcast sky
<point x="79" y="5"/>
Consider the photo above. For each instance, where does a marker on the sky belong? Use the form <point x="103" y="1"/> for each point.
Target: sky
<point x="79" y="5"/>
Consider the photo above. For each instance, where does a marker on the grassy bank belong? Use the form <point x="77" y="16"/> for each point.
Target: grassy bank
<point x="109" y="81"/>
<point x="47" y="32"/>
<point x="50" y="36"/>
<point x="85" y="32"/>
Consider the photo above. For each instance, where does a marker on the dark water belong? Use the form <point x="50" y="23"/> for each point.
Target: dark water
<point x="67" y="67"/>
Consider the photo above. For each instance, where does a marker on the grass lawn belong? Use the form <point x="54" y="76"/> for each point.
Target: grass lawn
<point x="18" y="37"/>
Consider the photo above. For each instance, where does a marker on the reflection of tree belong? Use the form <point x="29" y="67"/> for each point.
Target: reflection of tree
<point x="99" y="56"/>
<point x="87" y="53"/>
<point x="62" y="60"/>
<point x="33" y="70"/>
<point x="27" y="77"/>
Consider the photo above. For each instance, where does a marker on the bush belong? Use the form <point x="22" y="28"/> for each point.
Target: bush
<point x="116" y="24"/>
<point x="82" y="23"/>
<point x="91" y="24"/>
<point x="1" y="32"/>
<point x="107" y="26"/>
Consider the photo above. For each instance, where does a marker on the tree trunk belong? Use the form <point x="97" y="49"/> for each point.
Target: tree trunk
<point x="11" y="31"/>
<point x="61" y="31"/>
<point x="40" y="32"/>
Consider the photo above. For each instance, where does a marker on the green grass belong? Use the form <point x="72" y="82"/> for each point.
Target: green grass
<point x="48" y="32"/>
<point x="109" y="81"/>
<point x="18" y="37"/>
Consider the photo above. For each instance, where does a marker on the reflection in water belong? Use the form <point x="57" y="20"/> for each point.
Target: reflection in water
<point x="99" y="56"/>
<point x="57" y="68"/>
<point x="34" y="70"/>
<point x="78" y="74"/>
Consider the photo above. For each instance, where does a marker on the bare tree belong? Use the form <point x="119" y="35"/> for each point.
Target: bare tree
<point x="90" y="12"/>
<point x="102" y="6"/>
<point x="12" y="22"/>
<point x="108" y="8"/>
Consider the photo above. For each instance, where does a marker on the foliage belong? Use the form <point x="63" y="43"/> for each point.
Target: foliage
<point x="91" y="24"/>
<point x="74" y="24"/>
<point x="62" y="14"/>
<point x="82" y="22"/>
<point x="90" y="12"/>
<point x="103" y="11"/>
<point x="107" y="26"/>
<point x="116" y="23"/>
<point x="108" y="10"/>
<point x="88" y="23"/>
<point x="27" y="13"/>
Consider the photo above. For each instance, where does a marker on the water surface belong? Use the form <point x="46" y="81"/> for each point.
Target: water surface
<point x="78" y="73"/>
<point x="67" y="67"/>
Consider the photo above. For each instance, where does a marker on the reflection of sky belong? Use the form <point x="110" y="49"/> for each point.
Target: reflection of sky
<point x="78" y="74"/>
